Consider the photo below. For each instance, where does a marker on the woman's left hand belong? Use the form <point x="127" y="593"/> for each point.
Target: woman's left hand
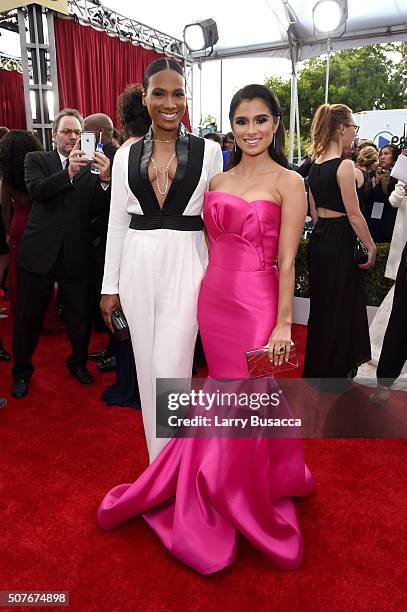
<point x="279" y="345"/>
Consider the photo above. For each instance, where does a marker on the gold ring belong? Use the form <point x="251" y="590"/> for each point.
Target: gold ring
<point x="280" y="350"/>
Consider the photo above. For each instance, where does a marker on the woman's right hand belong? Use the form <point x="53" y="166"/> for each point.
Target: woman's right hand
<point x="378" y="175"/>
<point x="108" y="303"/>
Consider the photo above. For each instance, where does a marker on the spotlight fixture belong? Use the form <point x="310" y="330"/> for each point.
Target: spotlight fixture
<point x="201" y="35"/>
<point x="329" y="15"/>
<point x="9" y="24"/>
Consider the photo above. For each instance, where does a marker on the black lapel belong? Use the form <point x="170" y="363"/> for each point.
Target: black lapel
<point x="140" y="185"/>
<point x="190" y="152"/>
<point x="190" y="162"/>
<point x="84" y="171"/>
<point x="182" y="151"/>
<point x="54" y="161"/>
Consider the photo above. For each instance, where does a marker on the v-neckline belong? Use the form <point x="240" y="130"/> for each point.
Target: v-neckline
<point x="186" y="179"/>
<point x="148" y="139"/>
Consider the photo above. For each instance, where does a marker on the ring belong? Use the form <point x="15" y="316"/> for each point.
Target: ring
<point x="280" y="350"/>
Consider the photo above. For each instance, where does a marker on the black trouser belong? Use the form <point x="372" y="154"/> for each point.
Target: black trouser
<point x="97" y="265"/>
<point x="33" y="297"/>
<point x="394" y="349"/>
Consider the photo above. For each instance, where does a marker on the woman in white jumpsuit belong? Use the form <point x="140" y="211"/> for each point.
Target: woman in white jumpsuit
<point x="156" y="253"/>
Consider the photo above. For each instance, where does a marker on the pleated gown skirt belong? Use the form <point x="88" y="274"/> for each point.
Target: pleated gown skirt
<point x="338" y="331"/>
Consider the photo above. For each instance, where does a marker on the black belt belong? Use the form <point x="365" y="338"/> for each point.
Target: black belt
<point x="183" y="223"/>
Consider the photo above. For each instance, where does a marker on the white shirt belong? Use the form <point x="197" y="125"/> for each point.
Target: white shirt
<point x="63" y="160"/>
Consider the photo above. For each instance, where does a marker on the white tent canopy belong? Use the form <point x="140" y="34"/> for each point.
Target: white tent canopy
<point x="259" y="27"/>
<point x="278" y="28"/>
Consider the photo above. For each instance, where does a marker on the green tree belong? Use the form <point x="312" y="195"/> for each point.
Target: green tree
<point x="364" y="78"/>
<point x="401" y="70"/>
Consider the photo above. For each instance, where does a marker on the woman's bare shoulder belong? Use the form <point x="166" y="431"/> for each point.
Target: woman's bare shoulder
<point x="217" y="181"/>
<point x="290" y="179"/>
<point x="346" y="168"/>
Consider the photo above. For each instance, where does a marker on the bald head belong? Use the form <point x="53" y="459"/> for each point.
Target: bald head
<point x="99" y="122"/>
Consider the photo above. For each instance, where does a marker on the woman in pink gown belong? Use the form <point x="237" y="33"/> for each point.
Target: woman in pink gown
<point x="200" y="492"/>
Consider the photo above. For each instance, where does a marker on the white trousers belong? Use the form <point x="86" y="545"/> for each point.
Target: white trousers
<point x="160" y="276"/>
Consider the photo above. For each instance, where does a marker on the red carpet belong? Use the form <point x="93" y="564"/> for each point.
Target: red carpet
<point x="62" y="449"/>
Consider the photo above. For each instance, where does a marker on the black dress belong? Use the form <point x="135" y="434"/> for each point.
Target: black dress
<point x="125" y="391"/>
<point x="364" y="191"/>
<point x="381" y="229"/>
<point x="338" y="332"/>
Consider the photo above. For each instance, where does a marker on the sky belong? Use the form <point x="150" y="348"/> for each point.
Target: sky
<point x="235" y="72"/>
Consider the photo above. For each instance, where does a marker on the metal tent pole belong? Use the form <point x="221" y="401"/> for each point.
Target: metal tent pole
<point x="297" y="121"/>
<point x="293" y="110"/>
<point x="221" y="97"/>
<point x="328" y="50"/>
<point x="294" y="93"/>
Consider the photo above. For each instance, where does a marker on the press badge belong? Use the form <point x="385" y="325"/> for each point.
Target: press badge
<point x="377" y="210"/>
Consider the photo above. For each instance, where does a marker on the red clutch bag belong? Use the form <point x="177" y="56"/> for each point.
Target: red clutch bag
<point x="258" y="363"/>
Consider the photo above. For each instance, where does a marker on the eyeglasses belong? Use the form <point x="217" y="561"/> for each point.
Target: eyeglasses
<point x="354" y="126"/>
<point x="68" y="132"/>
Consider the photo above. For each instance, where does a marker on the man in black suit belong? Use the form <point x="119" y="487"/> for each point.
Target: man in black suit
<point x="56" y="246"/>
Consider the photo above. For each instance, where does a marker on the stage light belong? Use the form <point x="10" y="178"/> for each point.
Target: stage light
<point x="328" y="15"/>
<point x="201" y="35"/>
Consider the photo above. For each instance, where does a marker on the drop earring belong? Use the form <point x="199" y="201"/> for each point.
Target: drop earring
<point x="274" y="140"/>
<point x="234" y="146"/>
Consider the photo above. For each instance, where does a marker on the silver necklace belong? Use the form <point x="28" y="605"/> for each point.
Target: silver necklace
<point x="165" y="172"/>
<point x="157" y="140"/>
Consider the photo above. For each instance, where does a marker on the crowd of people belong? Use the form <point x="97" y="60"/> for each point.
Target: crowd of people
<point x="130" y="228"/>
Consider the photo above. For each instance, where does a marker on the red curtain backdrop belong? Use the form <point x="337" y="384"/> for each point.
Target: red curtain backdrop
<point x="12" y="103"/>
<point x="94" y="68"/>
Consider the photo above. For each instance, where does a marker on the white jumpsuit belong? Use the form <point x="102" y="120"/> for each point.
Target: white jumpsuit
<point x="157" y="274"/>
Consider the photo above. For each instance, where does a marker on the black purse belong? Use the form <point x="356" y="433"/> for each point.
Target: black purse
<point x="360" y="252"/>
<point x="120" y="325"/>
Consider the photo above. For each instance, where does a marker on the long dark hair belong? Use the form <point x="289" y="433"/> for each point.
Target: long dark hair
<point x="13" y="148"/>
<point x="249" y="92"/>
<point x="163" y="63"/>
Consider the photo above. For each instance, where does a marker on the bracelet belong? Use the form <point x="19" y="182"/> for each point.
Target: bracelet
<point x="106" y="181"/>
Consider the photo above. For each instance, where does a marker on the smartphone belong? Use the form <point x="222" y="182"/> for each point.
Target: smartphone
<point x="88" y="144"/>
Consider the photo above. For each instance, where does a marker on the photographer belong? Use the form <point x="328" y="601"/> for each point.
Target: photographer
<point x="66" y="196"/>
<point x="379" y="213"/>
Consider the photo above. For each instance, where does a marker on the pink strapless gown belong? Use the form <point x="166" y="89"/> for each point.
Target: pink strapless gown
<point x="199" y="492"/>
